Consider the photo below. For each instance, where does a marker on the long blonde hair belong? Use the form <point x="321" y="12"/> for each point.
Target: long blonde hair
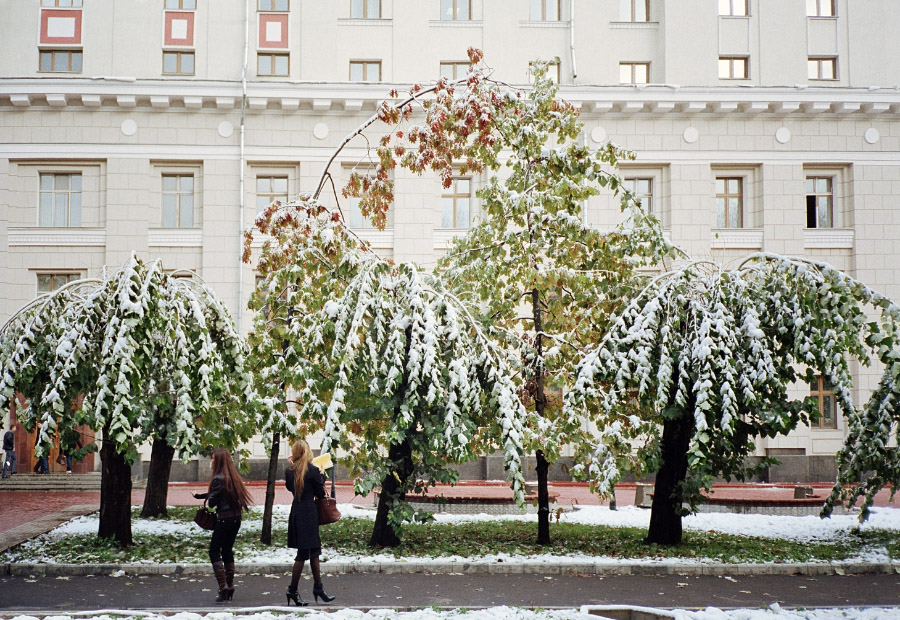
<point x="301" y="457"/>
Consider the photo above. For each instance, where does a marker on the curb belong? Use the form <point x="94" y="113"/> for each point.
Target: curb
<point x="598" y="568"/>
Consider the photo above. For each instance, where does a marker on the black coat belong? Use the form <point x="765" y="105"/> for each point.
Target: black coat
<point x="303" y="524"/>
<point x="218" y="496"/>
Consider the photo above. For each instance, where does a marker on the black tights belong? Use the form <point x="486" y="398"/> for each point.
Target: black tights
<point x="221" y="545"/>
<point x="297" y="571"/>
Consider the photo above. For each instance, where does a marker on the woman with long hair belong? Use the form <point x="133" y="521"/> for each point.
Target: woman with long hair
<point x="306" y="482"/>
<point x="228" y="495"/>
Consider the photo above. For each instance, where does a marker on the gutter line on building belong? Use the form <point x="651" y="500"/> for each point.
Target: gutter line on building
<point x="241" y="200"/>
<point x="572" y="38"/>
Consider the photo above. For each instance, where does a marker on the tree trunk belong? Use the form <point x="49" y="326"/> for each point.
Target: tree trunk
<point x="157" y="492"/>
<point x="115" y="494"/>
<point x="665" y="513"/>
<point x="265" y="536"/>
<point x="540" y="400"/>
<point x="383" y="532"/>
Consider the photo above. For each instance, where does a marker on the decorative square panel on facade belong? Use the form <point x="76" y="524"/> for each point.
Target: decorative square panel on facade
<point x="273" y="31"/>
<point x="179" y="29"/>
<point x="60" y="27"/>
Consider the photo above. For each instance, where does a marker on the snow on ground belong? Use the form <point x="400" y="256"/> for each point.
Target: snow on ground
<point x="492" y="613"/>
<point x="800" y="529"/>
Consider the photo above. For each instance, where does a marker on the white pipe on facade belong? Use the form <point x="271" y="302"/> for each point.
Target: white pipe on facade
<point x="241" y="200"/>
<point x="572" y="38"/>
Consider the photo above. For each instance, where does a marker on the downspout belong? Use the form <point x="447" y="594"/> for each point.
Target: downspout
<point x="241" y="200"/>
<point x="572" y="38"/>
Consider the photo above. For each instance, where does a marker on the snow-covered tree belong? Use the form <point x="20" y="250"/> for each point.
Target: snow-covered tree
<point x="701" y="363"/>
<point x="154" y="357"/>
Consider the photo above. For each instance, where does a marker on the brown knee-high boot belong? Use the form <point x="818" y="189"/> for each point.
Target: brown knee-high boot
<point x="219" y="572"/>
<point x="229" y="579"/>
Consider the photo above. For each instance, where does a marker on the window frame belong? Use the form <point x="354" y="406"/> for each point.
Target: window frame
<point x="181" y="5"/>
<point x="70" y="276"/>
<point x="179" y="55"/>
<point x="55" y="4"/>
<point x="178" y="193"/>
<point x="632" y="66"/>
<point x="647" y="207"/>
<point x="814" y="8"/>
<point x="454" y="7"/>
<point x="543" y="7"/>
<point x="726" y="196"/>
<point x="731" y="60"/>
<point x="54" y="192"/>
<point x="273" y="58"/>
<point x="820" y="63"/>
<point x="632" y="5"/>
<point x="821" y="391"/>
<point x="455" y="64"/>
<point x="53" y="52"/>
<point x="365" y="67"/>
<point x="272" y="193"/>
<point x="745" y="4"/>
<point x="274" y="9"/>
<point x="812" y="215"/>
<point x="453" y="194"/>
<point x="364" y="5"/>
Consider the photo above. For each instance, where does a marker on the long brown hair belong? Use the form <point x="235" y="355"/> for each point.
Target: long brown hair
<point x="222" y="465"/>
<point x="301" y="457"/>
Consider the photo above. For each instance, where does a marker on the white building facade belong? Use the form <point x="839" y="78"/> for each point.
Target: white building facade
<point x="163" y="126"/>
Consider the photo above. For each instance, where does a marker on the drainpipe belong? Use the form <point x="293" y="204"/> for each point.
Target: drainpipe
<point x="241" y="200"/>
<point x="572" y="38"/>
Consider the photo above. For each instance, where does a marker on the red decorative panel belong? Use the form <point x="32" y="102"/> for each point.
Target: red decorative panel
<point x="273" y="30"/>
<point x="60" y="27"/>
<point x="179" y="29"/>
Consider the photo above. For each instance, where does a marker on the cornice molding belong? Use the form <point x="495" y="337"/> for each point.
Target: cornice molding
<point x="60" y="237"/>
<point x="175" y="237"/>
<point x="640" y="100"/>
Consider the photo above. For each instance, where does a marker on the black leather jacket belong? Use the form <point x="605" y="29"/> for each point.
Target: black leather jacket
<point x="220" y="499"/>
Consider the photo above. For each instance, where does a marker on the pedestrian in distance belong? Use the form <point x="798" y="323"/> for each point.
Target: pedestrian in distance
<point x="228" y="495"/>
<point x="42" y="466"/>
<point x="9" y="450"/>
<point x="306" y="482"/>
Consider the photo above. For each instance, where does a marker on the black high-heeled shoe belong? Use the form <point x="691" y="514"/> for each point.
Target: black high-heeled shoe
<point x="319" y="591"/>
<point x="229" y="592"/>
<point x="293" y="595"/>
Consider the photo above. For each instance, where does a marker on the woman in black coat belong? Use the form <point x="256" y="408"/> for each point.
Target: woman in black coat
<point x="306" y="482"/>
<point x="228" y="495"/>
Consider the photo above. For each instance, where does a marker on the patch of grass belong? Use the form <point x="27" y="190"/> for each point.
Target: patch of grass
<point x="351" y="535"/>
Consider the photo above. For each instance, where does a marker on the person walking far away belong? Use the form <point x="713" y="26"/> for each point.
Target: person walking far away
<point x="9" y="451"/>
<point x="306" y="482"/>
<point x="228" y="495"/>
<point x="42" y="466"/>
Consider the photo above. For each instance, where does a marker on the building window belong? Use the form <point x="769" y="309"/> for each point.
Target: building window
<point x="60" y="200"/>
<point x="365" y="70"/>
<point x="178" y="63"/>
<point x="822" y="68"/>
<point x="734" y="8"/>
<point x="544" y="10"/>
<point x="823" y="393"/>
<point x="455" y="70"/>
<point x="178" y="201"/>
<point x="642" y="189"/>
<point x="274" y="5"/>
<point x="61" y="61"/>
<point x="365" y="9"/>
<point x="733" y="68"/>
<point x="819" y="202"/>
<point x="273" y="64"/>
<point x="456" y="10"/>
<point x="634" y="72"/>
<point x="62" y="4"/>
<point x="359" y="222"/>
<point x="729" y="202"/>
<point x="820" y="8"/>
<point x="49" y="282"/>
<point x="552" y="72"/>
<point x="181" y="5"/>
<point x="455" y="202"/>
<point x="270" y="189"/>
<point x="634" y="10"/>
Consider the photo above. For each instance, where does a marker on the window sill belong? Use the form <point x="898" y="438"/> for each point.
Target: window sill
<point x="458" y="23"/>
<point x="443" y="236"/>
<point x="544" y="24"/>
<point x="356" y="21"/>
<point x="634" y="25"/>
<point x="831" y="238"/>
<point x="175" y="237"/>
<point x="378" y="239"/>
<point x="62" y="237"/>
<point x="740" y="238"/>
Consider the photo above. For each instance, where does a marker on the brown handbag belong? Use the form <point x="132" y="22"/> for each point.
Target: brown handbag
<point x="327" y="509"/>
<point x="205" y="518"/>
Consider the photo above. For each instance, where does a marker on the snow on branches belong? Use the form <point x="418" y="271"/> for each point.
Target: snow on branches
<point x="723" y="348"/>
<point x="150" y="354"/>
